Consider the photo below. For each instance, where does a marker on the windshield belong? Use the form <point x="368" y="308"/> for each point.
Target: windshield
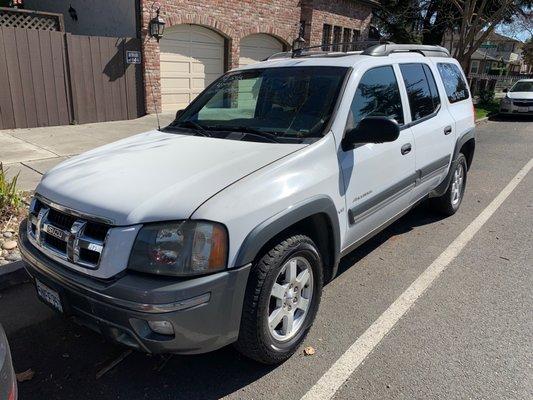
<point x="273" y="103"/>
<point x="522" y="87"/>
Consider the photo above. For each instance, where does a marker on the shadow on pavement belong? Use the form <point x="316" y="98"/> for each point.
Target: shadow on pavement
<point x="511" y="118"/>
<point x="419" y="216"/>
<point x="67" y="357"/>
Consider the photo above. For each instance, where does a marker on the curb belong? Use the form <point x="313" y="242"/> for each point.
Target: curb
<point x="9" y="268"/>
<point x="481" y="120"/>
<point x="12" y="275"/>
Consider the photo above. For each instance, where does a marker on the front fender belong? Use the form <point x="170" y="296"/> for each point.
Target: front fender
<point x="276" y="224"/>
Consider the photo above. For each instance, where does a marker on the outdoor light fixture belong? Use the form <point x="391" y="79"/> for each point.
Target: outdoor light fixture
<point x="157" y="24"/>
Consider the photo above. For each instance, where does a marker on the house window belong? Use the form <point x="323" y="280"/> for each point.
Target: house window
<point x="355" y="38"/>
<point x="346" y="38"/>
<point x="474" y="66"/>
<point x="326" y="36"/>
<point x="337" y="33"/>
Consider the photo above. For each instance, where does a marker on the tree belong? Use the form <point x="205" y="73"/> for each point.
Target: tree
<point x="427" y="21"/>
<point x="527" y="52"/>
<point x="478" y="20"/>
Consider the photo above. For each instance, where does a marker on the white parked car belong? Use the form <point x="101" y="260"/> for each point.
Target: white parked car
<point x="518" y="99"/>
<point x="223" y="226"/>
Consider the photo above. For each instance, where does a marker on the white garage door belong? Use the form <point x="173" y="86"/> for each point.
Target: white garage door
<point x="191" y="58"/>
<point x="257" y="47"/>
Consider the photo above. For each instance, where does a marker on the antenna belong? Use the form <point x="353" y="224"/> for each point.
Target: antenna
<point x="153" y="99"/>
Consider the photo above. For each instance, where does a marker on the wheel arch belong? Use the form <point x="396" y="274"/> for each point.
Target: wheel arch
<point x="466" y="144"/>
<point x="316" y="218"/>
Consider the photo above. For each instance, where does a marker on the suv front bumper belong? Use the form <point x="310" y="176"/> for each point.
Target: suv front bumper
<point x="204" y="311"/>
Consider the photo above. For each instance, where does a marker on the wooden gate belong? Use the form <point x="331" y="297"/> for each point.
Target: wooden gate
<point x="104" y="86"/>
<point x="52" y="78"/>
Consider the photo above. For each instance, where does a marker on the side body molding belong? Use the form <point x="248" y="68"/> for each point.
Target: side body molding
<point x="269" y="228"/>
<point x="441" y="189"/>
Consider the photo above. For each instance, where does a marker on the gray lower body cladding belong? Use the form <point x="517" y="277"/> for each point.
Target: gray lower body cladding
<point x="205" y="311"/>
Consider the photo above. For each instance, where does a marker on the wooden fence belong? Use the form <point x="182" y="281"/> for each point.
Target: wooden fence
<point x="51" y="78"/>
<point x="495" y="83"/>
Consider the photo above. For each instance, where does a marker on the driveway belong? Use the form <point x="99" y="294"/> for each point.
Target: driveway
<point x="431" y="308"/>
<point x="32" y="152"/>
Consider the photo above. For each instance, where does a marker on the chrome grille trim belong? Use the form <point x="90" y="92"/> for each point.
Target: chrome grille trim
<point x="64" y="245"/>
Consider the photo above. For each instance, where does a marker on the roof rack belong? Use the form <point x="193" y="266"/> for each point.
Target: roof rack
<point x="389" y="48"/>
<point x="366" y="48"/>
<point x="327" y="50"/>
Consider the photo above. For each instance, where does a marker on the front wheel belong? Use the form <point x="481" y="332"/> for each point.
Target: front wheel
<point x="449" y="202"/>
<point x="281" y="301"/>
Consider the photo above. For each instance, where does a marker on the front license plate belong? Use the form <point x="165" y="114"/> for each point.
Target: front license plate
<point x="49" y="296"/>
<point x="522" y="109"/>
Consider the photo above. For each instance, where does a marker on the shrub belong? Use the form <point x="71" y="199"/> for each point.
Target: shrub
<point x="10" y="197"/>
<point x="486" y="96"/>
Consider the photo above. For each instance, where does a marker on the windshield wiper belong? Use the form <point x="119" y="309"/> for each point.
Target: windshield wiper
<point x="199" y="129"/>
<point x="249" y="131"/>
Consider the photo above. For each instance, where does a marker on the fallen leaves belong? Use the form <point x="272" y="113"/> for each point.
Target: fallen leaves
<point x="309" y="351"/>
<point x="26" y="375"/>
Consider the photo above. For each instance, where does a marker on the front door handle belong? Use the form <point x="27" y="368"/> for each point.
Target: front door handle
<point x="448" y="130"/>
<point x="406" y="148"/>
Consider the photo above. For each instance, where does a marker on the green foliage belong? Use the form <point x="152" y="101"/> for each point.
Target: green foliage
<point x="10" y="197"/>
<point x="486" y="97"/>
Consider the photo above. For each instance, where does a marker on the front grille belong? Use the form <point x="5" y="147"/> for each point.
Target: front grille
<point x="73" y="239"/>
<point x="523" y="103"/>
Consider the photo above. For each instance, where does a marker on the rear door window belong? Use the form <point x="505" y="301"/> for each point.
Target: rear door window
<point x="421" y="90"/>
<point x="377" y="95"/>
<point x="454" y="83"/>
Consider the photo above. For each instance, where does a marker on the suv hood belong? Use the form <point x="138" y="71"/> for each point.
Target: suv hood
<point x="154" y="176"/>
<point x="520" y="95"/>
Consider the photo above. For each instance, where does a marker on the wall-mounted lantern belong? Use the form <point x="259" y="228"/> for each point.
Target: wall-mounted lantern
<point x="157" y="25"/>
<point x="298" y="44"/>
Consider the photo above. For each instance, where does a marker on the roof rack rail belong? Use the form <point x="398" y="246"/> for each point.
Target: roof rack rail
<point x="389" y="48"/>
<point x="327" y="50"/>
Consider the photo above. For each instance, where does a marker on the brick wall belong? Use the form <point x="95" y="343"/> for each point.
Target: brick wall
<point x="235" y="19"/>
<point x="342" y="13"/>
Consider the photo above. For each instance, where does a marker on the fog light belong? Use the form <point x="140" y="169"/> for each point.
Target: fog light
<point x="161" y="327"/>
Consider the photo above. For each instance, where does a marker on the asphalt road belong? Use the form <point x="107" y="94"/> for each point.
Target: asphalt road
<point x="469" y="336"/>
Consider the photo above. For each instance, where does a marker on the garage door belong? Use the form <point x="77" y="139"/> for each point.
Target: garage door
<point x="257" y="47"/>
<point x="191" y="58"/>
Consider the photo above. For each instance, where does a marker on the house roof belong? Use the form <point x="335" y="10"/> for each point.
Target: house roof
<point x="482" y="55"/>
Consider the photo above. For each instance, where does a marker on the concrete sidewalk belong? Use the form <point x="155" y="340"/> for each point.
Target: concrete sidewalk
<point x="32" y="152"/>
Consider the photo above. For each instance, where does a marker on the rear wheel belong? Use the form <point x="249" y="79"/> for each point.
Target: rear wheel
<point x="449" y="202"/>
<point x="281" y="300"/>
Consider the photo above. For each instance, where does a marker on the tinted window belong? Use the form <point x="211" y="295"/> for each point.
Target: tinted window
<point x="421" y="99"/>
<point x="455" y="85"/>
<point x="432" y="86"/>
<point x="376" y="95"/>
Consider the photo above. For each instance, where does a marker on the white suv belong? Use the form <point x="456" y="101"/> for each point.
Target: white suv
<point x="223" y="226"/>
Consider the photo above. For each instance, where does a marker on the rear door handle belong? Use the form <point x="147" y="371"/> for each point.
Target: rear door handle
<point x="448" y="130"/>
<point x="406" y="148"/>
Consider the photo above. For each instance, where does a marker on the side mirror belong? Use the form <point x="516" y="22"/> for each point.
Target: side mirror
<point x="371" y="130"/>
<point x="178" y="113"/>
<point x="505" y="90"/>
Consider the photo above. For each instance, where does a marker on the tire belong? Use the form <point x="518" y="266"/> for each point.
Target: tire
<point x="450" y="201"/>
<point x="274" y="344"/>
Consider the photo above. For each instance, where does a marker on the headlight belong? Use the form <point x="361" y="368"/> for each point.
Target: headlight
<point x="506" y="100"/>
<point x="180" y="248"/>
